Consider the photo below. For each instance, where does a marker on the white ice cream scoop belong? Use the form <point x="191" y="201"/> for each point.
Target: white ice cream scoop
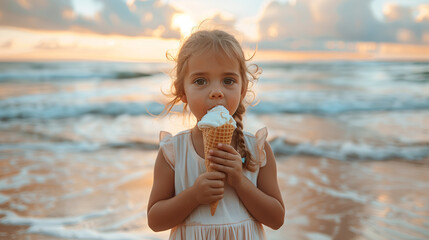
<point x="216" y="117"/>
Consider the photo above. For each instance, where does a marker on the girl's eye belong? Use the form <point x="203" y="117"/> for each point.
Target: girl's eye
<point x="200" y="81"/>
<point x="228" y="81"/>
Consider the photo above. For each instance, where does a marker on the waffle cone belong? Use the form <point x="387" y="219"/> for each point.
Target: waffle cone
<point x="212" y="137"/>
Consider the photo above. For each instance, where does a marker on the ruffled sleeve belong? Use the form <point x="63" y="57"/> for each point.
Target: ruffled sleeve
<point x="261" y="137"/>
<point x="167" y="147"/>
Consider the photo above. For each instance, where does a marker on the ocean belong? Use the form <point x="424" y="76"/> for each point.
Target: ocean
<point x="79" y="139"/>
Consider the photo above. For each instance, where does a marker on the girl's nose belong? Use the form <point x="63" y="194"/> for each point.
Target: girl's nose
<point x="216" y="93"/>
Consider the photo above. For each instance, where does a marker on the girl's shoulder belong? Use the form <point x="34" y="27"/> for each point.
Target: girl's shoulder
<point x="257" y="143"/>
<point x="168" y="143"/>
<point x="260" y="135"/>
<point x="167" y="137"/>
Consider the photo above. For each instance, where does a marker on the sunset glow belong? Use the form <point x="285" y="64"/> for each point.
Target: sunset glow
<point x="423" y="13"/>
<point x="184" y="23"/>
<point x="134" y="30"/>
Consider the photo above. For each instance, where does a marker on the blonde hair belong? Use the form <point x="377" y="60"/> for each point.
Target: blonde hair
<point x="220" y="41"/>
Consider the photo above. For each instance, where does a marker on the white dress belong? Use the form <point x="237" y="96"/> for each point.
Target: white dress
<point x="231" y="220"/>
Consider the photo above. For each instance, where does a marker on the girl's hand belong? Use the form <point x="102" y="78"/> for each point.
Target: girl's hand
<point x="227" y="160"/>
<point x="209" y="187"/>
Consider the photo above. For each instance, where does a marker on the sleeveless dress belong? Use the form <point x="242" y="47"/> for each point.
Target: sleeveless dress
<point x="231" y="220"/>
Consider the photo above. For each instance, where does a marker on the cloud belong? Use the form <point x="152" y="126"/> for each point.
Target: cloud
<point x="218" y="20"/>
<point x="6" y="44"/>
<point x="139" y="18"/>
<point x="312" y="22"/>
<point x="54" y="44"/>
<point x="423" y="13"/>
<point x="403" y="25"/>
<point x="37" y="14"/>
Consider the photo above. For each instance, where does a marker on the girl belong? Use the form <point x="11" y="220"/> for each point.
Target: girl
<point x="211" y="70"/>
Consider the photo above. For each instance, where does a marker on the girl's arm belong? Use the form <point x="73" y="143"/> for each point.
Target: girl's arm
<point x="264" y="202"/>
<point x="165" y="209"/>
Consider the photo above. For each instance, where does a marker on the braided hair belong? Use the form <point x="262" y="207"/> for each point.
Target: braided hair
<point x="249" y="162"/>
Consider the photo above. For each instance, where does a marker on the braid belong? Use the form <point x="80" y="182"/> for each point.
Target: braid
<point x="241" y="146"/>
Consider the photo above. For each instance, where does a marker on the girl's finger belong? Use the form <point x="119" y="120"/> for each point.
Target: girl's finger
<point x="216" y="198"/>
<point x="228" y="170"/>
<point x="221" y="161"/>
<point x="222" y="154"/>
<point x="217" y="191"/>
<point x="227" y="147"/>
<point x="215" y="175"/>
<point x="220" y="167"/>
<point x="217" y="184"/>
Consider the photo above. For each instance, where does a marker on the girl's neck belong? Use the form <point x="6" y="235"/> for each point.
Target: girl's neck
<point x="197" y="141"/>
<point x="196" y="133"/>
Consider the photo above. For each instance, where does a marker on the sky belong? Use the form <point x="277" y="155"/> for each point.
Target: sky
<point x="144" y="30"/>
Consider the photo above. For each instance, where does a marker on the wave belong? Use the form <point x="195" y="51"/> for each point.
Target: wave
<point x="24" y="108"/>
<point x="415" y="72"/>
<point x="344" y="150"/>
<point x="85" y="70"/>
<point x="70" y="146"/>
<point x="351" y="151"/>
<point x="50" y="111"/>
<point x="336" y="103"/>
<point x="72" y="75"/>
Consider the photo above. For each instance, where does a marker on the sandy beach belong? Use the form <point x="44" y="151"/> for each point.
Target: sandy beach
<point x="329" y="199"/>
<point x="324" y="198"/>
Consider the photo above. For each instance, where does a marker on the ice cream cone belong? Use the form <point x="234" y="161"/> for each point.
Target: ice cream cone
<point x="217" y="127"/>
<point x="212" y="137"/>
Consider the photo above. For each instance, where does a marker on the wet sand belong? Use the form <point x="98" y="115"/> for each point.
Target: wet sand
<point x="96" y="196"/>
<point x="331" y="199"/>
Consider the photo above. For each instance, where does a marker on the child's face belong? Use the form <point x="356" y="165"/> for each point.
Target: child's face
<point x="212" y="79"/>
